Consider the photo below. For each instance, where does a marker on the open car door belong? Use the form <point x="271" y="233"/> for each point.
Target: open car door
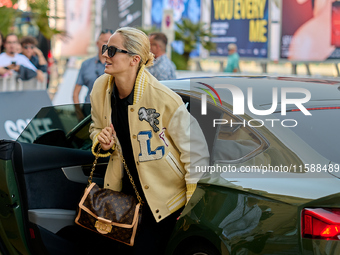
<point x="42" y="178"/>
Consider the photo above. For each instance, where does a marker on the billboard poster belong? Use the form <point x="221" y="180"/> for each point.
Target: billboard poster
<point x="310" y="30"/>
<point x="244" y="23"/>
<point x="77" y="24"/>
<point x="123" y="13"/>
<point x="190" y="9"/>
<point x="180" y="10"/>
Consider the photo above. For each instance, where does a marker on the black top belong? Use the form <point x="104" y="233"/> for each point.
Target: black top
<point x="120" y="123"/>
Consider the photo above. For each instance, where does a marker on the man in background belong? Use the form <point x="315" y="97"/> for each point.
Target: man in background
<point x="12" y="60"/>
<point x="163" y="68"/>
<point x="233" y="59"/>
<point x="91" y="69"/>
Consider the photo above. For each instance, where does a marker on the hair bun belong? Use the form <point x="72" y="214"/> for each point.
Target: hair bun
<point x="149" y="61"/>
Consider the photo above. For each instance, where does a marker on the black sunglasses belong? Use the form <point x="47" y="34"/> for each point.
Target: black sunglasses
<point x="111" y="50"/>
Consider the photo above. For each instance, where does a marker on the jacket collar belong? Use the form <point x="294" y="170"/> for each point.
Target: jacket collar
<point x="140" y="84"/>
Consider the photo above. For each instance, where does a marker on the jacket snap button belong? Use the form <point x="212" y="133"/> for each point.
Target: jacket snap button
<point x="146" y="186"/>
<point x="159" y="217"/>
<point x="131" y="109"/>
<point x="157" y="211"/>
<point x="134" y="136"/>
<point x="137" y="162"/>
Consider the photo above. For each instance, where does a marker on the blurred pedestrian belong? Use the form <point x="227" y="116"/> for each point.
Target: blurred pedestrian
<point x="91" y="69"/>
<point x="33" y="53"/>
<point x="163" y="68"/>
<point x="3" y="71"/>
<point x="30" y="50"/>
<point x="233" y="59"/>
<point x="12" y="60"/>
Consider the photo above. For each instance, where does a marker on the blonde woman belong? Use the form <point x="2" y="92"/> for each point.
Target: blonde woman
<point x="153" y="128"/>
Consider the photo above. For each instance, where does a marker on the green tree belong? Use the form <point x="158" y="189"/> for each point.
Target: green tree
<point x="8" y="15"/>
<point x="39" y="16"/>
<point x="191" y="34"/>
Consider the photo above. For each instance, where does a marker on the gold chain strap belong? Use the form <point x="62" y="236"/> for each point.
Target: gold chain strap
<point x="89" y="180"/>
<point x="125" y="166"/>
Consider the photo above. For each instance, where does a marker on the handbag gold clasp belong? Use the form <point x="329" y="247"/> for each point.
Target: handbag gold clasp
<point x="103" y="226"/>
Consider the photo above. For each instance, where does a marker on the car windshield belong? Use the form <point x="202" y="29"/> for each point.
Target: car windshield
<point x="64" y="125"/>
<point x="320" y="130"/>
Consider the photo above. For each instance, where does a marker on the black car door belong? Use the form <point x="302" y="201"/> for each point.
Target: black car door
<point x="45" y="173"/>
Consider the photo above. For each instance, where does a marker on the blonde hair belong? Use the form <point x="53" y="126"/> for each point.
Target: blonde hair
<point x="136" y="41"/>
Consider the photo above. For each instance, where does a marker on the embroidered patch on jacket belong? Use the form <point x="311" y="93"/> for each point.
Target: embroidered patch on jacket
<point x="150" y="115"/>
<point x="146" y="153"/>
<point x="162" y="136"/>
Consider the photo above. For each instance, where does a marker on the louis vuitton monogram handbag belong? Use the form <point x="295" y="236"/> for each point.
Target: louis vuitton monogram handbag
<point x="110" y="213"/>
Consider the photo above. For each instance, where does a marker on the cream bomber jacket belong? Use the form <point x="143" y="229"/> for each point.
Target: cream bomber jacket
<point x="160" y="130"/>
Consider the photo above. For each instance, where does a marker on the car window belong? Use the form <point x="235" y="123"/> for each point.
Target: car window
<point x="320" y="131"/>
<point x="236" y="142"/>
<point x="63" y="126"/>
<point x="193" y="105"/>
<point x="231" y="144"/>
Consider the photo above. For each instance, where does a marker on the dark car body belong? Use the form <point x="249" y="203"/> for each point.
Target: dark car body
<point x="287" y="190"/>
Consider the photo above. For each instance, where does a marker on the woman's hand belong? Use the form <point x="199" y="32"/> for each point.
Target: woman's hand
<point x="105" y="137"/>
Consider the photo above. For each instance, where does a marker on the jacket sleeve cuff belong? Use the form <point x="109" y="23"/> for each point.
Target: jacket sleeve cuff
<point x="190" y="190"/>
<point x="102" y="153"/>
